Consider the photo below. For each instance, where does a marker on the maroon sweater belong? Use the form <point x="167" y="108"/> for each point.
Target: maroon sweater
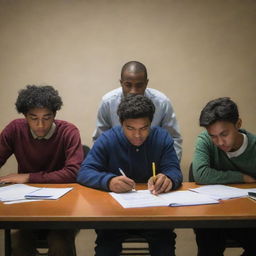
<point x="56" y="160"/>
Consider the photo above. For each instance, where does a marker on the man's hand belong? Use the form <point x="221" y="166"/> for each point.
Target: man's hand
<point x="159" y="184"/>
<point x="15" y="178"/>
<point x="248" y="179"/>
<point x="121" y="184"/>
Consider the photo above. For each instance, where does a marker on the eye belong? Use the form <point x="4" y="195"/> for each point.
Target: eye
<point x="47" y="118"/>
<point x="144" y="128"/>
<point x="34" y="118"/>
<point x="127" y="85"/>
<point x="140" y="85"/>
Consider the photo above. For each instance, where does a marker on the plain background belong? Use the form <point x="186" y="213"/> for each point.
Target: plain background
<point x="195" y="51"/>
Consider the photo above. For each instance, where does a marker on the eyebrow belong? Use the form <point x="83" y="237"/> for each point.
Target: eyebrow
<point x="31" y="114"/>
<point x="138" y="128"/>
<point x="217" y="134"/>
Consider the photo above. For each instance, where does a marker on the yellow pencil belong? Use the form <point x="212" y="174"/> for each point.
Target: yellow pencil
<point x="154" y="171"/>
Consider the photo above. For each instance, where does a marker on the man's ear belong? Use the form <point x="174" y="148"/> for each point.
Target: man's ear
<point x="239" y="123"/>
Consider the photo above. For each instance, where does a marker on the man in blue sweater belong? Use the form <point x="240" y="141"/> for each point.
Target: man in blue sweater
<point x="133" y="147"/>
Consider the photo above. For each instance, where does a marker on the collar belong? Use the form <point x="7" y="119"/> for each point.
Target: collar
<point x="241" y="150"/>
<point x="48" y="135"/>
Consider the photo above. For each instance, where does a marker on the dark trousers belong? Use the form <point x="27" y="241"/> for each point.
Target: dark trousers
<point x="161" y="242"/>
<point x="212" y="242"/>
<point x="60" y="242"/>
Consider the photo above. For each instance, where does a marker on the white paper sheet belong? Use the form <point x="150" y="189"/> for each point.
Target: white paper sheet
<point x="47" y="193"/>
<point x="23" y="192"/>
<point x="221" y="192"/>
<point x="143" y="198"/>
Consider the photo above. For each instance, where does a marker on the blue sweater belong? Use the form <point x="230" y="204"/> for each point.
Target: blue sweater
<point x="112" y="151"/>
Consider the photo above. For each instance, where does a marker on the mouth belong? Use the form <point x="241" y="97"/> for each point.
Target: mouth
<point x="225" y="148"/>
<point x="137" y="142"/>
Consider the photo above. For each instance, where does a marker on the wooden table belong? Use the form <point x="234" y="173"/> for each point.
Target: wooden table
<point x="87" y="208"/>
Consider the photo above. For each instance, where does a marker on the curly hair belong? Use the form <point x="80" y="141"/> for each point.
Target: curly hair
<point x="135" y="106"/>
<point x="221" y="109"/>
<point x="38" y="97"/>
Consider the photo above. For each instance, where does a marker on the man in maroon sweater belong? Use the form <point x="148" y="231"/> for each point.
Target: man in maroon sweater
<point x="47" y="151"/>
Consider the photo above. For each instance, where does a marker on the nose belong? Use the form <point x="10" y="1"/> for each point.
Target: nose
<point x="220" y="142"/>
<point x="137" y="134"/>
<point x="133" y="90"/>
<point x="40" y="123"/>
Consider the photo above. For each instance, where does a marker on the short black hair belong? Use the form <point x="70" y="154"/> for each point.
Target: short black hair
<point x="221" y="109"/>
<point x="135" y="106"/>
<point x="134" y="66"/>
<point x="44" y="96"/>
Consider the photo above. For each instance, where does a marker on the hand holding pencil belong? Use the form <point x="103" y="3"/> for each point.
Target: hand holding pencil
<point x="122" y="183"/>
<point x="159" y="183"/>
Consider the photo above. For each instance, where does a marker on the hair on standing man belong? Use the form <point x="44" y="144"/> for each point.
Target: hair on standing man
<point x="47" y="151"/>
<point x="224" y="154"/>
<point x="133" y="147"/>
<point x="134" y="80"/>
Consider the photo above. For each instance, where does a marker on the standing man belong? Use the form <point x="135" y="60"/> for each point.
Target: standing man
<point x="134" y="80"/>
<point x="47" y="151"/>
<point x="133" y="147"/>
<point x="224" y="154"/>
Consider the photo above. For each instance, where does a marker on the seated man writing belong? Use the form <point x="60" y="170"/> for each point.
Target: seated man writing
<point x="224" y="154"/>
<point x="47" y="151"/>
<point x="132" y="147"/>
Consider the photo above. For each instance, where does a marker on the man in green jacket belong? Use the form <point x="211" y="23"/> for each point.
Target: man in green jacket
<point x="224" y="154"/>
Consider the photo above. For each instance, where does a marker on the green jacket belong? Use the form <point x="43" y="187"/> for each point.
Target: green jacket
<point x="212" y="165"/>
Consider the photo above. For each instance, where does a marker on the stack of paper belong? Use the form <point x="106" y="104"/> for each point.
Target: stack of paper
<point x="24" y="193"/>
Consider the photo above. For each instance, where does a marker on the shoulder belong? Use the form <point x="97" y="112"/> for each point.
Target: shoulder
<point x="20" y="124"/>
<point x="249" y="134"/>
<point x="64" y="126"/>
<point x="112" y="134"/>
<point x="251" y="137"/>
<point x="160" y="100"/>
<point x="204" y="139"/>
<point x="109" y="138"/>
<point x="154" y="94"/>
<point x="158" y="133"/>
<point x="112" y="95"/>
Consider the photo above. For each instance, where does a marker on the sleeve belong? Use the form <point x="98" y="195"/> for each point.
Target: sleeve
<point x="103" y="122"/>
<point x="93" y="171"/>
<point x="169" y="122"/>
<point x="6" y="145"/>
<point x="203" y="172"/>
<point x="73" y="158"/>
<point x="169" y="163"/>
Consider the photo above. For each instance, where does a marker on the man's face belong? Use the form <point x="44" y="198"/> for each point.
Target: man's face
<point x="133" y="83"/>
<point x="136" y="130"/>
<point x="40" y="120"/>
<point x="225" y="135"/>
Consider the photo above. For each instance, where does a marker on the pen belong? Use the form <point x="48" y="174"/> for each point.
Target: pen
<point x="154" y="171"/>
<point x="122" y="172"/>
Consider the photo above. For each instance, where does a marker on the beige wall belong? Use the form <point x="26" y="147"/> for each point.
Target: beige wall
<point x="194" y="51"/>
